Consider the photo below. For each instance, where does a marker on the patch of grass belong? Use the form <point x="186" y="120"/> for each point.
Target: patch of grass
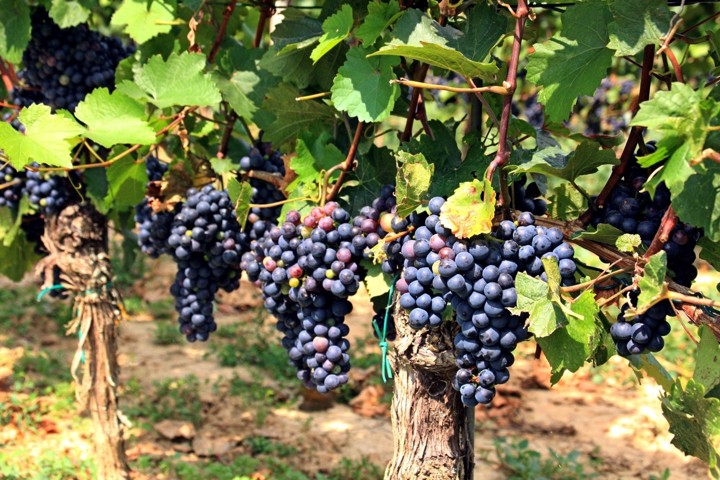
<point x="175" y="399"/>
<point x="241" y="468"/>
<point x="38" y="370"/>
<point x="21" y="312"/>
<point x="257" y="397"/>
<point x="23" y="464"/>
<point x="523" y="463"/>
<point x="347" y="469"/>
<point x="166" y="333"/>
<point x="260" y="445"/>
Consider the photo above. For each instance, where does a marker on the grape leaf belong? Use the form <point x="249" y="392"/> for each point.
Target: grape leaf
<point x="694" y="421"/>
<point x="97" y="188"/>
<point x="707" y="360"/>
<point x="17" y="258"/>
<point x="236" y="91"/>
<point x="68" y="13"/>
<point x="652" y="282"/>
<point x="144" y="19"/>
<point x="484" y="28"/>
<point x="375" y="169"/>
<point x="241" y="196"/>
<point x="336" y="28"/>
<point x="703" y="185"/>
<point x="647" y="363"/>
<point x="48" y="139"/>
<point x="470" y="210"/>
<point x="376" y="282"/>
<point x="291" y="117"/>
<point x="566" y="203"/>
<point x="568" y="348"/>
<point x="420" y="38"/>
<point x="413" y="180"/>
<point x="604" y="233"/>
<point x="533" y="295"/>
<point x="710" y="252"/>
<point x="178" y="81"/>
<point x="680" y="112"/>
<point x="637" y="23"/>
<point x="362" y="89"/>
<point x="11" y="221"/>
<point x="574" y="61"/>
<point x="553" y="162"/>
<point x="628" y="242"/>
<point x="380" y="16"/>
<point x="14" y="29"/>
<point x="126" y="183"/>
<point x="296" y="28"/>
<point x="113" y="118"/>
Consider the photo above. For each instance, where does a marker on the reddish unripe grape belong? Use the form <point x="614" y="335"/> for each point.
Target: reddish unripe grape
<point x="321" y="344"/>
<point x="447" y="252"/>
<point x="310" y="222"/>
<point x="386" y="222"/>
<point x="317" y="212"/>
<point x="401" y="285"/>
<point x="368" y="225"/>
<point x="344" y="255"/>
<point x="407" y="250"/>
<point x="295" y="271"/>
<point x="437" y="242"/>
<point x="330" y="207"/>
<point x="327" y="224"/>
<point x="292" y="216"/>
<point x="269" y="264"/>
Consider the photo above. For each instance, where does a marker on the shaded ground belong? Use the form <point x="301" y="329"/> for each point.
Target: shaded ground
<point x="203" y="410"/>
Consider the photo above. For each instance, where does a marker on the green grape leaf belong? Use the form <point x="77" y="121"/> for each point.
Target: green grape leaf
<point x="11" y="221"/>
<point x="694" y="421"/>
<point x="68" y="13"/>
<point x="483" y="30"/>
<point x="637" y="23"/>
<point x="14" y="29"/>
<point x="362" y="86"/>
<point x="375" y="169"/>
<point x="113" y="118"/>
<point x="534" y="295"/>
<point x="553" y="162"/>
<point x="413" y="180"/>
<point x="48" y="139"/>
<point x="291" y="117"/>
<point x="573" y="61"/>
<point x="178" y="81"/>
<point x="297" y="29"/>
<point x="680" y="112"/>
<point x="705" y="214"/>
<point x="566" y="203"/>
<point x="470" y="210"/>
<point x="707" y="360"/>
<point x="237" y="90"/>
<point x="568" y="348"/>
<point x="647" y="363"/>
<point x="18" y="258"/>
<point x="710" y="252"/>
<point x="652" y="282"/>
<point x="628" y="242"/>
<point x="241" y="195"/>
<point x="376" y="282"/>
<point x="336" y="28"/>
<point x="97" y="188"/>
<point x="144" y="19"/>
<point x="380" y="16"/>
<point x="126" y="183"/>
<point x="604" y="233"/>
<point x="420" y="38"/>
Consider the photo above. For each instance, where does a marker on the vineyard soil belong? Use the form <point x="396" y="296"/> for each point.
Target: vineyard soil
<point x="616" y="424"/>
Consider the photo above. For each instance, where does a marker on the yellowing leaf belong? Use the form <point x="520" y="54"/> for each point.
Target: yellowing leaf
<point x="470" y="210"/>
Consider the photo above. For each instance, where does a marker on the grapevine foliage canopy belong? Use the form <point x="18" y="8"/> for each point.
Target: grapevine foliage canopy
<point x="432" y="125"/>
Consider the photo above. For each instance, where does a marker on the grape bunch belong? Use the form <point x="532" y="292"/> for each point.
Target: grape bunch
<point x="632" y="210"/>
<point x="527" y="198"/>
<point x="205" y="242"/>
<point x="153" y="227"/>
<point x="50" y="193"/>
<point x="475" y="279"/>
<point x="63" y="65"/>
<point x="13" y="185"/>
<point x="644" y="332"/>
<point x="263" y="158"/>
<point x="605" y="113"/>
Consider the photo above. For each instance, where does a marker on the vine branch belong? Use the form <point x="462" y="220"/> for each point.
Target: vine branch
<point x="668" y="222"/>
<point x="227" y="14"/>
<point x="346" y="166"/>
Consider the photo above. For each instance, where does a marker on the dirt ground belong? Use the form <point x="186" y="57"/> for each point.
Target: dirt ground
<point x="615" y="421"/>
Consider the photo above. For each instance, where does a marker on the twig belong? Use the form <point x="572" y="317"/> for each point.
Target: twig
<point x="668" y="222"/>
<point x="266" y="12"/>
<point x="414" y="98"/>
<point x="8" y="75"/>
<point x="227" y="14"/>
<point x="676" y="66"/>
<point x="227" y="134"/>
<point x="633" y="138"/>
<point x="271" y="178"/>
<point x="346" y="166"/>
<point x="503" y="154"/>
<point x="501" y="90"/>
<point x="312" y="97"/>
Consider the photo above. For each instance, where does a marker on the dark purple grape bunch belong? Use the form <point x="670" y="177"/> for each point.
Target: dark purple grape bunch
<point x="62" y="65"/>
<point x="48" y="193"/>
<point x="263" y="159"/>
<point x="153" y="227"/>
<point x="206" y="243"/>
<point x="643" y="333"/>
<point x="527" y="198"/>
<point x="13" y="185"/>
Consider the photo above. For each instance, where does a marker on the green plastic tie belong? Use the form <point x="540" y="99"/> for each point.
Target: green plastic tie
<point x="385" y="368"/>
<point x="45" y="291"/>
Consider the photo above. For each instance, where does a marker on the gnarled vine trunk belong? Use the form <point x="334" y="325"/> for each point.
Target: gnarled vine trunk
<point x="76" y="240"/>
<point x="430" y="428"/>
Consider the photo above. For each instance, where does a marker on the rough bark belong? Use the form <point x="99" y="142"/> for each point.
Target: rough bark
<point x="76" y="240"/>
<point x="430" y="427"/>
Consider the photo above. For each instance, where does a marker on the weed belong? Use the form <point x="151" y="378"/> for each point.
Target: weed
<point x="347" y="469"/>
<point x="522" y="463"/>
<point x="166" y="333"/>
<point x="176" y="399"/>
